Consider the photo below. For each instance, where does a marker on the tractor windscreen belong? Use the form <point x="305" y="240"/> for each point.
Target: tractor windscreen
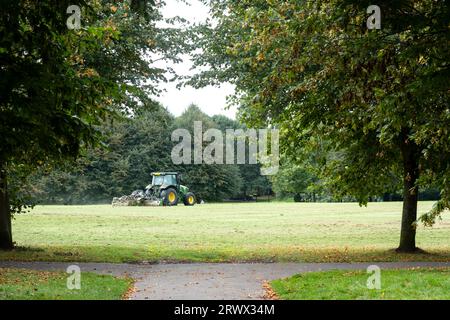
<point x="158" y="180"/>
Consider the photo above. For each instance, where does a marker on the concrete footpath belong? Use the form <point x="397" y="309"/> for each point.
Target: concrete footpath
<point x="209" y="281"/>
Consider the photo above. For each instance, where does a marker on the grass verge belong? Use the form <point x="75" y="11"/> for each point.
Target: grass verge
<point x="22" y="284"/>
<point x="411" y="284"/>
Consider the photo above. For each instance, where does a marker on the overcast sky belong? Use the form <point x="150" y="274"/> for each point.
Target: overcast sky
<point x="211" y="100"/>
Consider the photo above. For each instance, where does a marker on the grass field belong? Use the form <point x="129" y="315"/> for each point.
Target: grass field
<point x="275" y="231"/>
<point x="20" y="284"/>
<point x="423" y="284"/>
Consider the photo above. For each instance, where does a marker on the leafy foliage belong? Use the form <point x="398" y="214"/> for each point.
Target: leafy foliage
<point x="293" y="180"/>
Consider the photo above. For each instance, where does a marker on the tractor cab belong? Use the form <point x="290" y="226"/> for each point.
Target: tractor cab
<point x="166" y="179"/>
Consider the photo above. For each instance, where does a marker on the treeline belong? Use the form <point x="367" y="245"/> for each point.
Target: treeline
<point x="136" y="146"/>
<point x="133" y="148"/>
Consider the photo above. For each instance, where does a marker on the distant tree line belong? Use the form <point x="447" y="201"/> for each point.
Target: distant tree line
<point x="138" y="145"/>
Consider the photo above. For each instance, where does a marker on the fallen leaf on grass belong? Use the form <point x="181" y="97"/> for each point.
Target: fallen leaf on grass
<point x="269" y="293"/>
<point x="129" y="293"/>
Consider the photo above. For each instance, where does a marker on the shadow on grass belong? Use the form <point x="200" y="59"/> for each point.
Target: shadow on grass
<point x="152" y="255"/>
<point x="27" y="249"/>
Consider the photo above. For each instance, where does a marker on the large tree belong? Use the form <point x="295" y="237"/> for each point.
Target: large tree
<point x="294" y="180"/>
<point x="210" y="182"/>
<point x="57" y="84"/>
<point x="253" y="183"/>
<point x="379" y="98"/>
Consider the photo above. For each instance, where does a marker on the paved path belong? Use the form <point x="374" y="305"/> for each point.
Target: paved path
<point x="208" y="280"/>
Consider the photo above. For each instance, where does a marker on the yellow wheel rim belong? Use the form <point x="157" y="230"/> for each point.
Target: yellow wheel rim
<point x="171" y="197"/>
<point x="191" y="200"/>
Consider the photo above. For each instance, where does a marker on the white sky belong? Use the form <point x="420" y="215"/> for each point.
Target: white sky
<point x="211" y="100"/>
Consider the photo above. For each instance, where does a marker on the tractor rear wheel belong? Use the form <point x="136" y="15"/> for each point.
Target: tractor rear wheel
<point x="189" y="199"/>
<point x="170" y="197"/>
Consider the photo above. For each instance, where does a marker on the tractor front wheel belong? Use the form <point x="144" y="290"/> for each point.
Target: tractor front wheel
<point x="170" y="197"/>
<point x="189" y="199"/>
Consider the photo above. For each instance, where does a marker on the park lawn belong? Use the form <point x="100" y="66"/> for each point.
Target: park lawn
<point x="227" y="232"/>
<point x="22" y="284"/>
<point x="411" y="284"/>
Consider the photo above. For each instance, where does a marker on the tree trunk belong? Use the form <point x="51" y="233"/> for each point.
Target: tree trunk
<point x="6" y="242"/>
<point x="410" y="196"/>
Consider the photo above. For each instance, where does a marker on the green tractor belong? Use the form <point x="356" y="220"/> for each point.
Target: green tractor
<point x="167" y="190"/>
